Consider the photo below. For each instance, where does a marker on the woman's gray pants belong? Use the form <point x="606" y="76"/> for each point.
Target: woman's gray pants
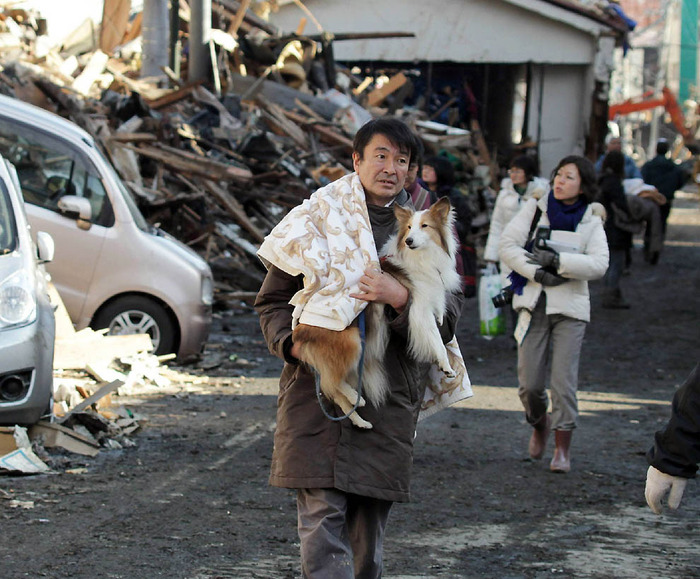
<point x="565" y="335"/>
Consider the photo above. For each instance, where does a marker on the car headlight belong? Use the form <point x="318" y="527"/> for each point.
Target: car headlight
<point x="207" y="290"/>
<point x="17" y="301"/>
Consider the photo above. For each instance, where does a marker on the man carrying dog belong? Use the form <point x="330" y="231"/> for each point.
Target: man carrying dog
<point x="347" y="478"/>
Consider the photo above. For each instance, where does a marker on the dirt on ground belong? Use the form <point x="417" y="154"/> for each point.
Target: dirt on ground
<point x="190" y="498"/>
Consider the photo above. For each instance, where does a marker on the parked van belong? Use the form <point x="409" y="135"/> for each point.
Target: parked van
<point x="112" y="269"/>
<point x="27" y="322"/>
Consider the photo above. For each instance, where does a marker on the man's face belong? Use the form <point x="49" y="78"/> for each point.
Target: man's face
<point x="382" y="169"/>
<point x="411" y="176"/>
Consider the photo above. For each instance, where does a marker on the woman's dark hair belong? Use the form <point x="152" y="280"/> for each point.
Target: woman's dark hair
<point x="614" y="162"/>
<point x="586" y="171"/>
<point x="527" y="164"/>
<point x="444" y="170"/>
<point x="398" y="133"/>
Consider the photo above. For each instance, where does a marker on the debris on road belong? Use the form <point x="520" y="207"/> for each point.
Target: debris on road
<point x="218" y="166"/>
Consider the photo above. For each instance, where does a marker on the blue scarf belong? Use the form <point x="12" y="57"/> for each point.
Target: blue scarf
<point x="562" y="217"/>
<point x="565" y="217"/>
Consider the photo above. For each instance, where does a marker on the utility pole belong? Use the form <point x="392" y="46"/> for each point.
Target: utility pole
<point x="175" y="45"/>
<point x="199" y="58"/>
<point x="671" y="15"/>
<point x="155" y="37"/>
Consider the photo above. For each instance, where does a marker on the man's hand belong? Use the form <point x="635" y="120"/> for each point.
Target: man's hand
<point x="545" y="257"/>
<point x="549" y="279"/>
<point x="658" y="483"/>
<point x="382" y="287"/>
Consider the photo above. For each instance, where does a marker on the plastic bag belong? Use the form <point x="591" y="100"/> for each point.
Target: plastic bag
<point x="492" y="319"/>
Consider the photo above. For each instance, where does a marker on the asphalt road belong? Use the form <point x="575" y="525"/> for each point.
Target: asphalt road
<point x="190" y="498"/>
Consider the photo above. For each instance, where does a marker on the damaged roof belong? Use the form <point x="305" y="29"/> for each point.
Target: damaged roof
<point x="602" y="11"/>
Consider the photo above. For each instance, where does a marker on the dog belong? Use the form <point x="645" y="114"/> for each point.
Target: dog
<point x="421" y="256"/>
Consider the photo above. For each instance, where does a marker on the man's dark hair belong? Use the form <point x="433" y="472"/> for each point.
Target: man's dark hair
<point x="662" y="147"/>
<point x="527" y="163"/>
<point x="586" y="170"/>
<point x="614" y="162"/>
<point x="398" y="133"/>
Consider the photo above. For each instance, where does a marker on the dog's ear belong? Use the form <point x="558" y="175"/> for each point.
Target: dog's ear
<point x="441" y="208"/>
<point x="403" y="214"/>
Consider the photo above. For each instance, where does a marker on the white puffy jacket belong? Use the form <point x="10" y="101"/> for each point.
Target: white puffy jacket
<point x="571" y="298"/>
<point x="508" y="203"/>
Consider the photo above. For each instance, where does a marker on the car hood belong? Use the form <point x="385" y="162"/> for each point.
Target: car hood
<point x="11" y="263"/>
<point x="187" y="253"/>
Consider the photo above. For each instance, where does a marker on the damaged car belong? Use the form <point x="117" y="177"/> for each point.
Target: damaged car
<point x="27" y="323"/>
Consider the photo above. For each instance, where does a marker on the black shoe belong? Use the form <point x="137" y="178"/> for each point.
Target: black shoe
<point x="613" y="300"/>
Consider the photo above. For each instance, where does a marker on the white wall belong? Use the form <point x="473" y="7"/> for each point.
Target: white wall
<point x="565" y="102"/>
<point x="451" y="30"/>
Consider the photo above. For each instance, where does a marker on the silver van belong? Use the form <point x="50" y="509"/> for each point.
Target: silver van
<point x="27" y="322"/>
<point x="112" y="269"/>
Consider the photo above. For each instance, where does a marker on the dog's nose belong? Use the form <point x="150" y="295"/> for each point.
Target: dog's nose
<point x="409" y="241"/>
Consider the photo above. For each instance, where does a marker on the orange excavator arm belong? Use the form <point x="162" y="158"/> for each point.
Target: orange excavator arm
<point x="667" y="100"/>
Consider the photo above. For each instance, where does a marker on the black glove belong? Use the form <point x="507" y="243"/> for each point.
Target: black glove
<point x="549" y="279"/>
<point x="545" y="256"/>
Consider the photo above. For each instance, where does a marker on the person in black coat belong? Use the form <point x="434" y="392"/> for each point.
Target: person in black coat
<point x="675" y="455"/>
<point x="612" y="196"/>
<point x="666" y="176"/>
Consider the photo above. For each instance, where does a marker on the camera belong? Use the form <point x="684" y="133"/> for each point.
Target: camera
<point x="541" y="236"/>
<point x="503" y="298"/>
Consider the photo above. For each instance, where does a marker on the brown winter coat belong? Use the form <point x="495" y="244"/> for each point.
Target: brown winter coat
<point x="311" y="451"/>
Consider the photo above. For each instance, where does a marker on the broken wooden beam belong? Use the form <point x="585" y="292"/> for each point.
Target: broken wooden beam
<point x="326" y="133"/>
<point x="379" y="94"/>
<point x="236" y="210"/>
<point x="181" y="161"/>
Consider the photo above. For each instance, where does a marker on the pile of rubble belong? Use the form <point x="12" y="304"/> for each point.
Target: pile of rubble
<point x="218" y="164"/>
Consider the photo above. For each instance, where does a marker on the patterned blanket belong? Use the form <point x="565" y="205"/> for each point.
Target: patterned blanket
<point x="328" y="239"/>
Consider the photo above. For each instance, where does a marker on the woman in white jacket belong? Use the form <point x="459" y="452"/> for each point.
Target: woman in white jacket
<point x="550" y="284"/>
<point x="520" y="185"/>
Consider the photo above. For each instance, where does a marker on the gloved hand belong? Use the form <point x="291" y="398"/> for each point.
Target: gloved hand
<point x="545" y="256"/>
<point x="549" y="279"/>
<point x="658" y="483"/>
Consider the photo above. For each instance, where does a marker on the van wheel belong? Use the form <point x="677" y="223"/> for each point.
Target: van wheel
<point x="139" y="315"/>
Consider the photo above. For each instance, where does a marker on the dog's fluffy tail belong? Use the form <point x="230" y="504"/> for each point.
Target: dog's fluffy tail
<point x="332" y="353"/>
<point x="375" y="382"/>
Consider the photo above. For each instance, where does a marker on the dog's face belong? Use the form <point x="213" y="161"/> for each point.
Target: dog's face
<point x="418" y="229"/>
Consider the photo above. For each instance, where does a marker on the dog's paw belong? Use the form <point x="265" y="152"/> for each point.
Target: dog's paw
<point x="359" y="422"/>
<point x="448" y="371"/>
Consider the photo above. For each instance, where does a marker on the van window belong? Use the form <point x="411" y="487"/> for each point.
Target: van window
<point x="48" y="169"/>
<point x="8" y="233"/>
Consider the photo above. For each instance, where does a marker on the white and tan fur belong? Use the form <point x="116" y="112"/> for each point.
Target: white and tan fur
<point x="421" y="256"/>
